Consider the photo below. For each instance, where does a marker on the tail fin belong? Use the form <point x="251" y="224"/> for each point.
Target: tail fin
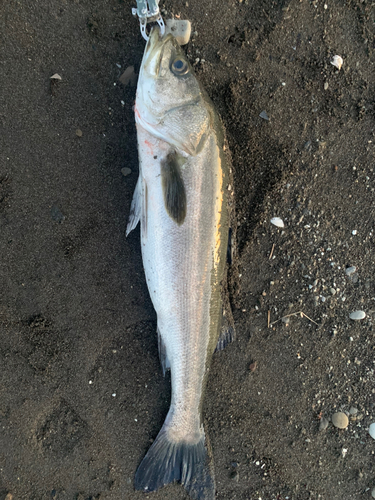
<point x="166" y="462"/>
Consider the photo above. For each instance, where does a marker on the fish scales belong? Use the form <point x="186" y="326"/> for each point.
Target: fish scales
<point x="181" y="202"/>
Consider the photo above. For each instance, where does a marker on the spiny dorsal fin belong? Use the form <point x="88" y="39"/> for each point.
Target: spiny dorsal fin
<point x="173" y="187"/>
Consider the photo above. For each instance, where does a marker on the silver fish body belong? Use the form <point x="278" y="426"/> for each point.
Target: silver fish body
<point x="181" y="202"/>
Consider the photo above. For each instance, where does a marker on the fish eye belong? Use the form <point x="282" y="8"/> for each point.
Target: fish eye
<point x="179" y="67"/>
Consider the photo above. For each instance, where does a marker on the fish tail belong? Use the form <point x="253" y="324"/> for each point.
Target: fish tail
<point x="167" y="461"/>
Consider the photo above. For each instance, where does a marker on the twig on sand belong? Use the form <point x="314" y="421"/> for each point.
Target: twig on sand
<point x="268" y="318"/>
<point x="301" y="313"/>
<point x="273" y="248"/>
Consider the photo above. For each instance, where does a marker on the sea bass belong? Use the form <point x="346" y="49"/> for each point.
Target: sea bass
<point x="181" y="202"/>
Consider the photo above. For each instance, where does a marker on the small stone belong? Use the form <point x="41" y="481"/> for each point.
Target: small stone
<point x="253" y="366"/>
<point x="56" y="214"/>
<point x="323" y="424"/>
<point x="373" y="493"/>
<point x="357" y="315"/>
<point x="340" y="420"/>
<point x="235" y="476"/>
<point x="276" y="221"/>
<point x="350" y="270"/>
<point x="326" y="85"/>
<point x="79" y="132"/>
<point x="353" y="411"/>
<point x="372" y="430"/>
<point x="264" y="115"/>
<point x="56" y="76"/>
<point x="9" y="496"/>
<point x="354" y="232"/>
<point x="126" y="171"/>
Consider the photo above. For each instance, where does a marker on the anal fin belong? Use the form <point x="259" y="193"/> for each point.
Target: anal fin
<point x="227" y="331"/>
<point x="165" y="364"/>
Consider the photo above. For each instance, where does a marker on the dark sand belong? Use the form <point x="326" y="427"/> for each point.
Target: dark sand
<point x="74" y="305"/>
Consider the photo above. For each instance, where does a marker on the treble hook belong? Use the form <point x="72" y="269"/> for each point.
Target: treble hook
<point x="147" y="12"/>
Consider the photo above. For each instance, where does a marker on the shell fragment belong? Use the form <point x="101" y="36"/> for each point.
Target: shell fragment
<point x="276" y="221"/>
<point x="337" y="61"/>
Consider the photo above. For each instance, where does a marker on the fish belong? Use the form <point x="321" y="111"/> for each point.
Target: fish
<point x="181" y="201"/>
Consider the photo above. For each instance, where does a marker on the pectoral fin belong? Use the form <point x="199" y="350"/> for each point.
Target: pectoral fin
<point x="138" y="208"/>
<point x="173" y="187"/>
<point x="135" y="207"/>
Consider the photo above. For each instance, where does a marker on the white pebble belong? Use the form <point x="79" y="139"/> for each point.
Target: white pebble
<point x="337" y="61"/>
<point x="276" y="221"/>
<point x="372" y="430"/>
<point x="56" y="76"/>
<point x="357" y="315"/>
<point x="350" y="270"/>
<point x="354" y="232"/>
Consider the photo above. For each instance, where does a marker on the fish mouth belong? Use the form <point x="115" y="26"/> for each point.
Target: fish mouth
<point x="154" y="51"/>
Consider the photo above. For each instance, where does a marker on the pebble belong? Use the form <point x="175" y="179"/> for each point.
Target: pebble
<point x="264" y="115"/>
<point x="353" y="411"/>
<point x="56" y="76"/>
<point x="323" y="424"/>
<point x="79" y="132"/>
<point x="340" y="420"/>
<point x="357" y="315"/>
<point x="126" y="171"/>
<point x="350" y="270"/>
<point x="276" y="221"/>
<point x="56" y="214"/>
<point x="373" y="493"/>
<point x="253" y="366"/>
<point x="372" y="430"/>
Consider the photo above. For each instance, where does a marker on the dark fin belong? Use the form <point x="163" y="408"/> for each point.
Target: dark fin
<point x="173" y="187"/>
<point x="165" y="364"/>
<point x="166" y="462"/>
<point x="135" y="207"/>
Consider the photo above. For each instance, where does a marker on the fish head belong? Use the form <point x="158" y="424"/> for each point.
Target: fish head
<point x="170" y="103"/>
